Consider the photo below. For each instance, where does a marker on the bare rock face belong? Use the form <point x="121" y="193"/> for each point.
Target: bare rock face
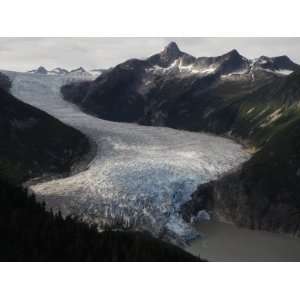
<point x="263" y="194"/>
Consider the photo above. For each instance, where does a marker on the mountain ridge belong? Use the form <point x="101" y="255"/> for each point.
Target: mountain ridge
<point x="253" y="101"/>
<point x="64" y="72"/>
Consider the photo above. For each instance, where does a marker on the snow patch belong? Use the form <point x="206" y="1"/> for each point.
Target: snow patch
<point x="178" y="65"/>
<point x="272" y="117"/>
<point x="284" y="72"/>
<point x="279" y="71"/>
<point x="250" y="110"/>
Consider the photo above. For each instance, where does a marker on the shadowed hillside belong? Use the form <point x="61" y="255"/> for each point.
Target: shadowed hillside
<point x="29" y="233"/>
<point x="32" y="143"/>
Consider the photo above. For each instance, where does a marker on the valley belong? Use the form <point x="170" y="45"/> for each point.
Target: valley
<point x="165" y="149"/>
<point x="140" y="175"/>
<point x="252" y="101"/>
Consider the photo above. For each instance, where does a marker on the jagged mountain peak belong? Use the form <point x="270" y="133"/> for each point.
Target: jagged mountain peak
<point x="277" y="63"/>
<point x="233" y="54"/>
<point x="278" y="58"/>
<point x="283" y="59"/>
<point x="232" y="62"/>
<point x="40" y="70"/>
<point x="170" y="53"/>
<point x="58" y="71"/>
<point x="80" y="69"/>
<point x="167" y="56"/>
<point x="171" y="49"/>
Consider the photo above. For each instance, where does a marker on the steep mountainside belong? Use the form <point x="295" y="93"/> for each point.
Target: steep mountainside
<point x="254" y="101"/>
<point x="264" y="193"/>
<point x="177" y="90"/>
<point x="32" y="143"/>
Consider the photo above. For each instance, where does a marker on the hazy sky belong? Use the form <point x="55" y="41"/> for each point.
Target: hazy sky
<point x="23" y="54"/>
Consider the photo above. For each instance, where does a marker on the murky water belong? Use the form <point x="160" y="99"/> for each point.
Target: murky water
<point x="226" y="242"/>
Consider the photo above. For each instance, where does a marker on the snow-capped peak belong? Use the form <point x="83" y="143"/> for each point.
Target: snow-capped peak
<point x="43" y="71"/>
<point x="79" y="73"/>
<point x="40" y="70"/>
<point x="279" y="64"/>
<point x="59" y="71"/>
<point x="79" y="70"/>
<point x="171" y="49"/>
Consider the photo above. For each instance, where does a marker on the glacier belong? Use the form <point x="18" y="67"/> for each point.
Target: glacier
<point x="140" y="175"/>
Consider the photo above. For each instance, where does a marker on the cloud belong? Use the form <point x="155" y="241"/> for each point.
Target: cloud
<point x="26" y="53"/>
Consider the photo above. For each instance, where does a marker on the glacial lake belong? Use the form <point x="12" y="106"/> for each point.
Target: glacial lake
<point x="226" y="242"/>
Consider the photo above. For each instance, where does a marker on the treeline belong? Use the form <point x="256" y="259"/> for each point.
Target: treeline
<point x="30" y="233"/>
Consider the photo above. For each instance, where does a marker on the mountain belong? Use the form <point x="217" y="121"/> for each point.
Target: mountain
<point x="281" y="64"/>
<point x="81" y="73"/>
<point x="43" y="71"/>
<point x="168" y="55"/>
<point x="79" y="70"/>
<point x="40" y="70"/>
<point x="154" y="91"/>
<point x="77" y="73"/>
<point x="58" y="71"/>
<point x="26" y="151"/>
<point x="254" y="101"/>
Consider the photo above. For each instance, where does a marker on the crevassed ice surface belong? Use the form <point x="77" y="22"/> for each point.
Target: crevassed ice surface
<point x="140" y="174"/>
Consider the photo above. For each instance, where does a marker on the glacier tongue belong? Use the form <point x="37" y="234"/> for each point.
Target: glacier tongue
<point x="140" y="175"/>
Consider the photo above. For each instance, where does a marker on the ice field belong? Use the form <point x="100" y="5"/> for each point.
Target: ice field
<point x="140" y="175"/>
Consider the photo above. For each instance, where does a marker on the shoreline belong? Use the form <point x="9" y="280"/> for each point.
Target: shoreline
<point x="228" y="242"/>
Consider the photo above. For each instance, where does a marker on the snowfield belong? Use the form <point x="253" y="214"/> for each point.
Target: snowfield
<point x="140" y="175"/>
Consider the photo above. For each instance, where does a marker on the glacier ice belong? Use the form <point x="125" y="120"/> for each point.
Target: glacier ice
<point x="140" y="174"/>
